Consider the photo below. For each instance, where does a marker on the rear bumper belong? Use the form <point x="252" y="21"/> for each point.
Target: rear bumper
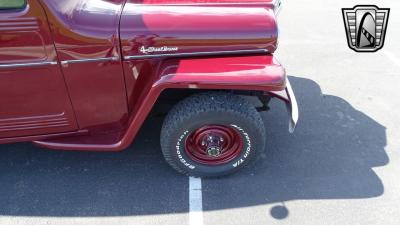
<point x="287" y="95"/>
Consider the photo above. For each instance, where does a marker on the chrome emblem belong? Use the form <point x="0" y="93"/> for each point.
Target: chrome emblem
<point x="163" y="49"/>
<point x="365" y="27"/>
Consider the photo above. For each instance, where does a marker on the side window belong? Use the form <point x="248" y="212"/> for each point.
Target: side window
<point x="12" y="4"/>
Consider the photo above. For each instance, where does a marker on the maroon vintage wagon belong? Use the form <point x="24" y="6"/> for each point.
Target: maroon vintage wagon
<point x="84" y="75"/>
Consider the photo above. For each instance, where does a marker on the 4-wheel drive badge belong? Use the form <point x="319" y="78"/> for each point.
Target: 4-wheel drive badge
<point x="365" y="27"/>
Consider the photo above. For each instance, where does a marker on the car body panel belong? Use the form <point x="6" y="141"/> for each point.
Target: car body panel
<point x="113" y="82"/>
<point x="191" y="28"/>
<point x="195" y="29"/>
<point x="33" y="96"/>
<point x="86" y="37"/>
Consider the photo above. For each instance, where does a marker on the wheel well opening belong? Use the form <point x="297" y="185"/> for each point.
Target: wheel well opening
<point x="170" y="97"/>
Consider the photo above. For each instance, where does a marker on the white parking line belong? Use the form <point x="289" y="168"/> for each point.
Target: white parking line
<point x="392" y="57"/>
<point x="195" y="202"/>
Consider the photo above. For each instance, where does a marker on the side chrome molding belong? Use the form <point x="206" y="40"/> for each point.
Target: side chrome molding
<point x="277" y="6"/>
<point x="66" y="62"/>
<point x="235" y="52"/>
<point x="63" y="63"/>
<point x="22" y="65"/>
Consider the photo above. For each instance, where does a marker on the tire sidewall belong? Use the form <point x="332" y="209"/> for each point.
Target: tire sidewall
<point x="250" y="136"/>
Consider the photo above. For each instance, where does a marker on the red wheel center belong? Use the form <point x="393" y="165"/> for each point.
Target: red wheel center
<point x="213" y="144"/>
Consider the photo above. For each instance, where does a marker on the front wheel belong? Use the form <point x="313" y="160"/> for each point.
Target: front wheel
<point x="212" y="134"/>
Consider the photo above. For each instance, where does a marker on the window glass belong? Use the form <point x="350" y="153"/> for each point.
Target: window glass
<point x="12" y="4"/>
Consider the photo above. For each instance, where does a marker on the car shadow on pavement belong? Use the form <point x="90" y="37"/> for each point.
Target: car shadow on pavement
<point x="137" y="181"/>
<point x="330" y="156"/>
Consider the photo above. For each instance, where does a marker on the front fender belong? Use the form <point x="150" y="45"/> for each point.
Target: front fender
<point x="253" y="73"/>
<point x="258" y="73"/>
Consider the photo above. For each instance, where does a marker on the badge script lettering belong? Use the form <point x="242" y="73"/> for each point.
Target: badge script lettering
<point x="148" y="50"/>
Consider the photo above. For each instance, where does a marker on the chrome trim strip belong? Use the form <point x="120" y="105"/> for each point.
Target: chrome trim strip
<point x="294" y="109"/>
<point x="277" y="7"/>
<point x="66" y="62"/>
<point x="195" y="54"/>
<point x="22" y="65"/>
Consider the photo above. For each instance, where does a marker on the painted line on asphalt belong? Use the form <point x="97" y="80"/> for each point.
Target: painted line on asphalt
<point x="195" y="202"/>
<point x="392" y="57"/>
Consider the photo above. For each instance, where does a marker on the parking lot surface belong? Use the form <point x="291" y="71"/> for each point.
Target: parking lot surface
<point x="341" y="166"/>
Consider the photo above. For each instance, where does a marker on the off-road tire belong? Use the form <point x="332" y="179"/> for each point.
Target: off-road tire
<point x="211" y="108"/>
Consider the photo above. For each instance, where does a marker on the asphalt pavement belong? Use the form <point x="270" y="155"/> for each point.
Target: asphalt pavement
<point x="341" y="166"/>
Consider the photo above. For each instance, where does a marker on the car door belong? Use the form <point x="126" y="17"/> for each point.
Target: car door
<point x="33" y="96"/>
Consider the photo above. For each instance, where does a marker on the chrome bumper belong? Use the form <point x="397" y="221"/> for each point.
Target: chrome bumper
<point x="288" y="97"/>
<point x="292" y="107"/>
